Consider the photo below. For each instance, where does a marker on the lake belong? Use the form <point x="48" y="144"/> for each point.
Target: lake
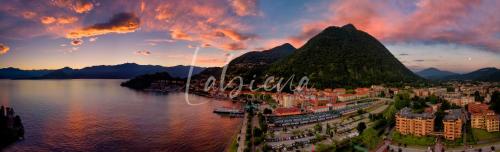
<point x="100" y="115"/>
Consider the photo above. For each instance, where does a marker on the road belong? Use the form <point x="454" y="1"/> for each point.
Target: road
<point x="242" y="134"/>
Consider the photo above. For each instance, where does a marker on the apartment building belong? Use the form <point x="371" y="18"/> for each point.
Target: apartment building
<point x="409" y="123"/>
<point x="483" y="118"/>
<point x="452" y="123"/>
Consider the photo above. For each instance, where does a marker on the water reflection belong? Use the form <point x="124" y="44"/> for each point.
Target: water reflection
<point x="99" y="115"/>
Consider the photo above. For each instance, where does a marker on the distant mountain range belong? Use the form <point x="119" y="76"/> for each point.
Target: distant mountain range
<point x="121" y="71"/>
<point x="484" y="74"/>
<point x="434" y="73"/>
<point x="343" y="56"/>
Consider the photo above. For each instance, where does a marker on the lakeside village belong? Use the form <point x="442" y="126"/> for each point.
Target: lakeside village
<point x="453" y="116"/>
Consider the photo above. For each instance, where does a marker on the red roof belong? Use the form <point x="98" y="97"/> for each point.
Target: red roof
<point x="339" y="104"/>
<point x="477" y="108"/>
<point x="339" y="90"/>
<point x="286" y="110"/>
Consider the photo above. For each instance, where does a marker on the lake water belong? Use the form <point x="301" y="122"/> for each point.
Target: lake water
<point x="100" y="115"/>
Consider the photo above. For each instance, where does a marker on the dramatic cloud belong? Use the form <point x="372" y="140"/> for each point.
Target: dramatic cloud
<point x="234" y="46"/>
<point x="143" y="52"/>
<point x="235" y="36"/>
<point x="93" y="39"/>
<point x="82" y="6"/>
<point x="61" y="20"/>
<point x="180" y="35"/>
<point x="47" y="20"/>
<point x="119" y="23"/>
<point x="464" y="22"/>
<point x="76" y="42"/>
<point x="244" y="7"/>
<point x="206" y="22"/>
<point x="3" y="48"/>
<point x="78" y="6"/>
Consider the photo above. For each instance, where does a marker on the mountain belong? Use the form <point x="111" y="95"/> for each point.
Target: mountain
<point x="121" y="71"/>
<point x="14" y="73"/>
<point x="256" y="62"/>
<point x="484" y="74"/>
<point x="434" y="73"/>
<point x="343" y="56"/>
<point x="144" y="81"/>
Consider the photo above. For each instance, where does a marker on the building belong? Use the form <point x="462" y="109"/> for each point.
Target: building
<point x="483" y="118"/>
<point x="492" y="123"/>
<point x="346" y="97"/>
<point x="462" y="101"/>
<point x="286" y="111"/>
<point x="421" y="92"/>
<point x="452" y="123"/>
<point x="337" y="106"/>
<point x="409" y="123"/>
<point x="320" y="109"/>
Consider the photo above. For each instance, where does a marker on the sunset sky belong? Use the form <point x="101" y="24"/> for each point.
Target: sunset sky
<point x="457" y="35"/>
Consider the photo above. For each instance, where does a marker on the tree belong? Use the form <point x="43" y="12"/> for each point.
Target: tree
<point x="268" y="111"/>
<point x="266" y="147"/>
<point x="495" y="102"/>
<point x="389" y="114"/>
<point x="382" y="94"/>
<point x="401" y="101"/>
<point x="325" y="147"/>
<point x="477" y="97"/>
<point x="361" y="127"/>
<point x="318" y="127"/>
<point x="361" y="111"/>
<point x="370" y="138"/>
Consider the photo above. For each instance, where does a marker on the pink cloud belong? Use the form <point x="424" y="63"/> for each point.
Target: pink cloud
<point x="4" y="48"/>
<point x="244" y="7"/>
<point x="465" y="22"/>
<point x="234" y="46"/>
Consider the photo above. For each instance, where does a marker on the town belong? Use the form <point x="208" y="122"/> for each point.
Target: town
<point x="453" y="116"/>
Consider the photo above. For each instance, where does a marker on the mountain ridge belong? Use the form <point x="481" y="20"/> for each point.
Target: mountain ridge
<point x="433" y="73"/>
<point x="119" y="71"/>
<point x="483" y="74"/>
<point x="343" y="56"/>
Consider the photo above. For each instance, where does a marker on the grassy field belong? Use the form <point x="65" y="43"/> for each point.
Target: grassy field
<point x="412" y="140"/>
<point x="483" y="135"/>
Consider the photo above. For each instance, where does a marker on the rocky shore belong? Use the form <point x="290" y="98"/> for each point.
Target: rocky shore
<point x="11" y="127"/>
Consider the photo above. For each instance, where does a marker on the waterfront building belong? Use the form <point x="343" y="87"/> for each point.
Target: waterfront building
<point x="286" y="111"/>
<point x="418" y="124"/>
<point x="320" y="109"/>
<point x="452" y="123"/>
<point x="339" y="91"/>
<point x="346" y="97"/>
